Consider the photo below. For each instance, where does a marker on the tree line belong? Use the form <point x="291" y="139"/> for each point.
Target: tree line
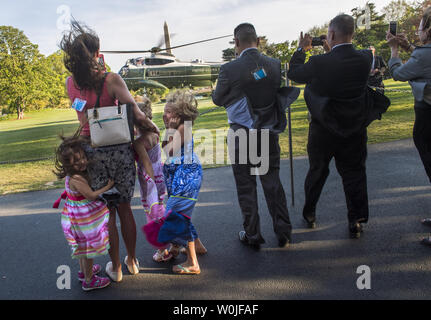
<point x="29" y="80"/>
<point x="406" y="13"/>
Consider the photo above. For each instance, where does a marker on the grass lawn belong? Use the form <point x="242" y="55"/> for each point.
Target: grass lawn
<point x="36" y="137"/>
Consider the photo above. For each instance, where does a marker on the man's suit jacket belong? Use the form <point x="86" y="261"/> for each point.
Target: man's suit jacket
<point x="252" y="103"/>
<point x="336" y="93"/>
<point x="236" y="80"/>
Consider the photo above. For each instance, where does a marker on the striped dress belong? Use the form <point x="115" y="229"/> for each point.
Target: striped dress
<point x="85" y="225"/>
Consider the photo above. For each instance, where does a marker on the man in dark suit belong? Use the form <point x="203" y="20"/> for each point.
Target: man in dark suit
<point x="247" y="87"/>
<point x="377" y="72"/>
<point x="335" y="96"/>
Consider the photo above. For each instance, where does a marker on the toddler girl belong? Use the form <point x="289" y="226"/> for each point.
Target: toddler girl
<point x="85" y="216"/>
<point x="152" y="187"/>
<point x="183" y="177"/>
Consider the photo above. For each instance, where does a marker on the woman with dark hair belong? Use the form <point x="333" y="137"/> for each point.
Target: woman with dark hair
<point x="81" y="48"/>
<point x="417" y="70"/>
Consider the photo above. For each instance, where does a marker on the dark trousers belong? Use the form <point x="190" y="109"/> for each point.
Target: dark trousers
<point x="422" y="134"/>
<point x="247" y="190"/>
<point x="350" y="155"/>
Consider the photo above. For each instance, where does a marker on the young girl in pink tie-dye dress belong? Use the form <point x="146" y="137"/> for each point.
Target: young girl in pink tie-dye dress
<point x="152" y="185"/>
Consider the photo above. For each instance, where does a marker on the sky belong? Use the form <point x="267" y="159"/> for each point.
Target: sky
<point x="138" y="25"/>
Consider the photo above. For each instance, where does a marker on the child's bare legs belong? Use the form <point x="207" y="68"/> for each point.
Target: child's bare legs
<point x="86" y="266"/>
<point x="174" y="250"/>
<point x="144" y="159"/>
<point x="200" y="248"/>
<point x="191" y="264"/>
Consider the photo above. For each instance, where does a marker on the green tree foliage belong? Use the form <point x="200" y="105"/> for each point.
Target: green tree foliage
<point x="396" y="10"/>
<point x="21" y="70"/>
<point x="407" y="14"/>
<point x="28" y="80"/>
<point x="228" y="54"/>
<point x="409" y="21"/>
<point x="57" y="95"/>
<point x="282" y="51"/>
<point x="373" y="36"/>
<point x="154" y="94"/>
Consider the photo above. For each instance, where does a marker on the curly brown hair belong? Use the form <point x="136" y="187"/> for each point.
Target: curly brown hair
<point x="183" y="104"/>
<point x="64" y="156"/>
<point x="80" y="45"/>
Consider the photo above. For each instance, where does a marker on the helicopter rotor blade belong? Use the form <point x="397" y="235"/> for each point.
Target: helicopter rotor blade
<point x="122" y="52"/>
<point x="159" y="49"/>
<point x="191" y="43"/>
<point x="162" y="40"/>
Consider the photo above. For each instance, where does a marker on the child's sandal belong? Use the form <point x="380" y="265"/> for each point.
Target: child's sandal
<point x="162" y="257"/>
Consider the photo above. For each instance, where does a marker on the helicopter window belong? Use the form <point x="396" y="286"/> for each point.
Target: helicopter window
<point x="156" y="61"/>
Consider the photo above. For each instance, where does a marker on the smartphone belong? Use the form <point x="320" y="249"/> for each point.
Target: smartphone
<point x="102" y="62"/>
<point x="316" y="41"/>
<point x="393" y="27"/>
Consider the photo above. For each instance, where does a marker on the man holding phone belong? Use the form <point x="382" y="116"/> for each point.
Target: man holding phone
<point x="336" y="84"/>
<point x="417" y="71"/>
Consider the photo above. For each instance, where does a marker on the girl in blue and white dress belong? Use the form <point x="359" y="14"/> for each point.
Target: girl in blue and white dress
<point x="183" y="177"/>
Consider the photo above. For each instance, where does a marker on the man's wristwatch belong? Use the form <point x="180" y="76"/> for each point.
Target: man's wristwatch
<point x="300" y="49"/>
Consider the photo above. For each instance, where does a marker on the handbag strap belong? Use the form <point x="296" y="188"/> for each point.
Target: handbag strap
<point x="100" y="91"/>
<point x="81" y="126"/>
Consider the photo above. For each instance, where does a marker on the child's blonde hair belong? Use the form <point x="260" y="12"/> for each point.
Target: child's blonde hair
<point x="145" y="105"/>
<point x="184" y="104"/>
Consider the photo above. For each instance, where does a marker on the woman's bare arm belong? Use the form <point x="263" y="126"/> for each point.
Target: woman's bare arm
<point x="117" y="88"/>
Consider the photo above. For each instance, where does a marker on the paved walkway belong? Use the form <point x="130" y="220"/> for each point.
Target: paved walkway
<point x="321" y="263"/>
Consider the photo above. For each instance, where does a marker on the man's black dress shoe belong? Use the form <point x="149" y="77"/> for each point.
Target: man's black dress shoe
<point x="284" y="243"/>
<point x="310" y="224"/>
<point x="426" y="241"/>
<point x="355" y="230"/>
<point x="243" y="238"/>
<point x="427" y="222"/>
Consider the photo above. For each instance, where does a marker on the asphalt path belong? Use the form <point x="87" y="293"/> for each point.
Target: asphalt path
<point x="320" y="264"/>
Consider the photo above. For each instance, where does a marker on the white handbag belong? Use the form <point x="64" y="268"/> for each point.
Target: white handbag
<point x="110" y="125"/>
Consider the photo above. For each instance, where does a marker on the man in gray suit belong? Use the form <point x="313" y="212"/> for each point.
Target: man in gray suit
<point x="247" y="87"/>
